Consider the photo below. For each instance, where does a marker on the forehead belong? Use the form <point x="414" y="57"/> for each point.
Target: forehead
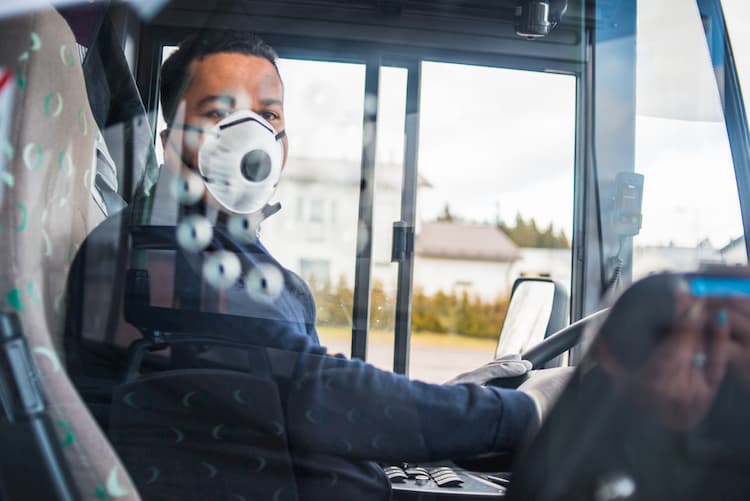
<point x="230" y="73"/>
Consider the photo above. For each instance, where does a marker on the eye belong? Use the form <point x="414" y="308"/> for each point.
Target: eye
<point x="270" y="115"/>
<point x="217" y="114"/>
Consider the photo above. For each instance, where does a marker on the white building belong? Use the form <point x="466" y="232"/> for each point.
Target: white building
<point x="653" y="259"/>
<point x="455" y="256"/>
<point x="316" y="235"/>
<point x="734" y="252"/>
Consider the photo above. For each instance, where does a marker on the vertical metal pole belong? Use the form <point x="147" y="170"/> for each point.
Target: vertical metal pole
<point x="735" y="114"/>
<point x="363" y="264"/>
<point x="581" y="209"/>
<point x="408" y="220"/>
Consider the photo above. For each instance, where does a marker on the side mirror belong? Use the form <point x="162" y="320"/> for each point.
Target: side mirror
<point x="538" y="307"/>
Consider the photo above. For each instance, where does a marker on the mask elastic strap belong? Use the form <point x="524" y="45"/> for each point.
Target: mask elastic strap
<point x="280" y="135"/>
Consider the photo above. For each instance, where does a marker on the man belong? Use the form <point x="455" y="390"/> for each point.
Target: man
<point x="338" y="414"/>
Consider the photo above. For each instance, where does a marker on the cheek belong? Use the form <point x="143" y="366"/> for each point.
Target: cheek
<point x="183" y="147"/>
<point x="171" y="150"/>
<point x="192" y="141"/>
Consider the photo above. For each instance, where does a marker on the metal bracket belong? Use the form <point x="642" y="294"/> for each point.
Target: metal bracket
<point x="403" y="241"/>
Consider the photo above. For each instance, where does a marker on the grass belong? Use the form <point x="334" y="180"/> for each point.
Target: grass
<point x="340" y="333"/>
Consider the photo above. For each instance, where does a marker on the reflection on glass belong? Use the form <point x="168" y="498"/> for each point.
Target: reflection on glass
<point x="672" y="361"/>
<point x="663" y="391"/>
<point x="166" y="51"/>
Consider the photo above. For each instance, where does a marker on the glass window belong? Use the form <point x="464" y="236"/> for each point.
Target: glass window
<point x="495" y="201"/>
<point x="324" y="106"/>
<point x="691" y="210"/>
<point x="318" y="271"/>
<point x="736" y="13"/>
<point x="193" y="353"/>
<point x="316" y="210"/>
<point x="389" y="160"/>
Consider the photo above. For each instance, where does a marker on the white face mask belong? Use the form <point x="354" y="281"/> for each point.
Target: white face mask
<point x="240" y="161"/>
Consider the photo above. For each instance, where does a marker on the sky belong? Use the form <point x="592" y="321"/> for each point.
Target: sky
<point x="495" y="142"/>
<point x="482" y="145"/>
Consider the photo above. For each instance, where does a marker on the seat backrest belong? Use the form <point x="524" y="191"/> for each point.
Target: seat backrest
<point x="47" y="210"/>
<point x="200" y="434"/>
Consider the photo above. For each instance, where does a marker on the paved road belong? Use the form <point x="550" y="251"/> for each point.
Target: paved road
<point x="433" y="364"/>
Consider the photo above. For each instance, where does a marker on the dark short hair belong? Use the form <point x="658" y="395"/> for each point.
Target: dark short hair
<point x="175" y="72"/>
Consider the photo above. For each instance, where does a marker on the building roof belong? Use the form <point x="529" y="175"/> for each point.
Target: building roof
<point x="454" y="240"/>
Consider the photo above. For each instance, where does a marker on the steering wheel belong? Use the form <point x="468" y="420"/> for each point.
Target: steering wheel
<point x="561" y="341"/>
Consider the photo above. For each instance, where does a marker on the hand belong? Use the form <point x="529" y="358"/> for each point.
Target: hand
<point x="544" y="386"/>
<point x="506" y="367"/>
<point x="680" y="379"/>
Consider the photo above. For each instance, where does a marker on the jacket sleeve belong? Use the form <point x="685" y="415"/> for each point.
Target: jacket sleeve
<point x="349" y="408"/>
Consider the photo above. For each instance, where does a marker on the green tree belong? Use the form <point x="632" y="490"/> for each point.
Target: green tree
<point x="382" y="308"/>
<point x="446" y="215"/>
<point x="439" y="313"/>
<point x="528" y="234"/>
<point x="466" y="317"/>
<point x="343" y="302"/>
<point x="424" y="317"/>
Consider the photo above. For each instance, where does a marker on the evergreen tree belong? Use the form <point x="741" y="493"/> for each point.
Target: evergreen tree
<point x="446" y="216"/>
<point x="528" y="234"/>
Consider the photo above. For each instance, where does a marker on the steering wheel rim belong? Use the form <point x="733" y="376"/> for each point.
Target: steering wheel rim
<point x="561" y="341"/>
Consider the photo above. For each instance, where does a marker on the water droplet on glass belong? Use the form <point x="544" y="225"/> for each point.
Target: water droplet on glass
<point x="194" y="233"/>
<point x="222" y="269"/>
<point x="245" y="227"/>
<point x="188" y="188"/>
<point x="614" y="487"/>
<point x="264" y="282"/>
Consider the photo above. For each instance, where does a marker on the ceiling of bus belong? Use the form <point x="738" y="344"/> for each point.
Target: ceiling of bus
<point x="497" y="9"/>
<point x="477" y="26"/>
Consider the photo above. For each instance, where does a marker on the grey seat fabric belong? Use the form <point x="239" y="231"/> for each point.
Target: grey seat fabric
<point x="48" y="208"/>
<point x="203" y="434"/>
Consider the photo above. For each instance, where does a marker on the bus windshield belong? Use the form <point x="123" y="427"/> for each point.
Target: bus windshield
<point x="209" y="207"/>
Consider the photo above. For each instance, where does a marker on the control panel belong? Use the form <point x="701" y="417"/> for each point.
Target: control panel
<point x="443" y="481"/>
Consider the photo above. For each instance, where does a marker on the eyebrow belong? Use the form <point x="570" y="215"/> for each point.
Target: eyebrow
<point x="228" y="100"/>
<point x="271" y="102"/>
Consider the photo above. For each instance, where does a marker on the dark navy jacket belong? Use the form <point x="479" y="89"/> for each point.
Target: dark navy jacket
<point x="306" y="424"/>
